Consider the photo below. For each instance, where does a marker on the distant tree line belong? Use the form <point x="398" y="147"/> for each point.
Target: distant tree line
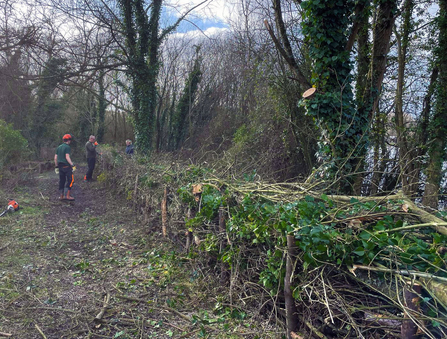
<point x="376" y="122"/>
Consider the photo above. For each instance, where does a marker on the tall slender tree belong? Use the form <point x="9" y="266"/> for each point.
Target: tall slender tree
<point x="143" y="39"/>
<point x="179" y="126"/>
<point x="438" y="125"/>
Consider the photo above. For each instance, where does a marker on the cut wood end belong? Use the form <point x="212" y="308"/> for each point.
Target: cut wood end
<point x="293" y="335"/>
<point x="308" y="94"/>
<point x="353" y="269"/>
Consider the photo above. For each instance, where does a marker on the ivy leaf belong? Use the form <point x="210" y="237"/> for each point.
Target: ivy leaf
<point x="360" y="251"/>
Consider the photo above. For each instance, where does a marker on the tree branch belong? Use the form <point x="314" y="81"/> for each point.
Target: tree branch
<point x="169" y="29"/>
<point x="291" y="62"/>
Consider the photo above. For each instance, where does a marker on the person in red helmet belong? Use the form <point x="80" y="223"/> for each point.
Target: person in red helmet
<point x="65" y="167"/>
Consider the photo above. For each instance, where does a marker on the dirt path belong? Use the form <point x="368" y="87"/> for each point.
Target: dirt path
<point x="60" y="261"/>
<point x="91" y="269"/>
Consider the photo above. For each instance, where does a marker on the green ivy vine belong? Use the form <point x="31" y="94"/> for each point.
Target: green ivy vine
<point x="326" y="25"/>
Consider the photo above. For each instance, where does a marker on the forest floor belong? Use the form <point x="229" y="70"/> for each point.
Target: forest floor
<point x="90" y="269"/>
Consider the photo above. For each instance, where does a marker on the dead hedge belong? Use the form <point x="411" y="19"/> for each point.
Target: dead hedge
<point x="374" y="267"/>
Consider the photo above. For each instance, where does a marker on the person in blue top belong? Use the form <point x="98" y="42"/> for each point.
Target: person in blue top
<point x="65" y="168"/>
<point x="129" y="147"/>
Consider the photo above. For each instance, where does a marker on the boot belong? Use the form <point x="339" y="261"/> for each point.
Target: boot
<point x="61" y="197"/>
<point x="68" y="197"/>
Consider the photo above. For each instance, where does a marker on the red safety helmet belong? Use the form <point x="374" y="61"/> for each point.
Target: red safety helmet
<point x="67" y="137"/>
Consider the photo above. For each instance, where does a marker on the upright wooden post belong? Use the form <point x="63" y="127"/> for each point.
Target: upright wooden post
<point x="222" y="235"/>
<point x="291" y="311"/>
<point x="188" y="233"/>
<point x="164" y="213"/>
<point x="411" y="301"/>
<point x="135" y="193"/>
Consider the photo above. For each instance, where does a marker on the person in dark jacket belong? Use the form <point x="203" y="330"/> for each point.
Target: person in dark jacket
<point x="90" y="148"/>
<point x="65" y="168"/>
<point x="129" y="147"/>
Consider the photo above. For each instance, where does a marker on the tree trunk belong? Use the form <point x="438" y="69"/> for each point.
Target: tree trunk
<point x="102" y="105"/>
<point x="439" y="122"/>
<point x="381" y="40"/>
<point x="364" y="51"/>
<point x="411" y="301"/>
<point x="409" y="178"/>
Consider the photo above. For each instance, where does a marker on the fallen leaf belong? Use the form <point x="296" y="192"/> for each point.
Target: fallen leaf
<point x="197" y="189"/>
<point x="354" y="223"/>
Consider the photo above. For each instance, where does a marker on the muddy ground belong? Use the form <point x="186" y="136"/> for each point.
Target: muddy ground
<point x="91" y="269"/>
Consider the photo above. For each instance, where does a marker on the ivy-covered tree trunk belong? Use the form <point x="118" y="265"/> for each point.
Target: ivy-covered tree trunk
<point x="364" y="51"/>
<point x="47" y="110"/>
<point x="329" y="32"/>
<point x="142" y="48"/>
<point x="326" y="28"/>
<point x="143" y="38"/>
<point x="438" y="124"/>
<point x="179" y="127"/>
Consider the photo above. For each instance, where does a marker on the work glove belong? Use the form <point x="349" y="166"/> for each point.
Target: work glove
<point x="96" y="143"/>
<point x="73" y="168"/>
<point x="56" y="170"/>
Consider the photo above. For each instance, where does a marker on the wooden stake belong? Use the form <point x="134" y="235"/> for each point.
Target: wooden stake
<point x="135" y="192"/>
<point x="224" y="275"/>
<point x="411" y="301"/>
<point x="291" y="311"/>
<point x="188" y="234"/>
<point x="164" y="213"/>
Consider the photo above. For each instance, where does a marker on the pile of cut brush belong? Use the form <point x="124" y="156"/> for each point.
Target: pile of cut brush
<point x="327" y="266"/>
<point x="338" y="266"/>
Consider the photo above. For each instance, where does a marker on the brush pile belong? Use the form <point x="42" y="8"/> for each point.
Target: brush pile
<point x="325" y="266"/>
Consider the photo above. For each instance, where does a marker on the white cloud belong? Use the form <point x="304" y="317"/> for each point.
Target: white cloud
<point x="197" y="34"/>
<point x="211" y="10"/>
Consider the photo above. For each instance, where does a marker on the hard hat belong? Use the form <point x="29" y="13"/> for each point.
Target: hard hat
<point x="67" y="137"/>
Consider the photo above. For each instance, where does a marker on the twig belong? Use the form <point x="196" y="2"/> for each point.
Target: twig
<point x="3" y="334"/>
<point x="402" y="272"/>
<point x="325" y="297"/>
<point x="3" y="247"/>
<point x="409" y="227"/>
<point x="315" y="330"/>
<point x="189" y="334"/>
<point x="52" y="309"/>
<point x="40" y="331"/>
<point x="104" y="307"/>
<point x="165" y="308"/>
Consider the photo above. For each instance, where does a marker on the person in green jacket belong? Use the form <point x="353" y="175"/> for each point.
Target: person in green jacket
<point x="65" y="167"/>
